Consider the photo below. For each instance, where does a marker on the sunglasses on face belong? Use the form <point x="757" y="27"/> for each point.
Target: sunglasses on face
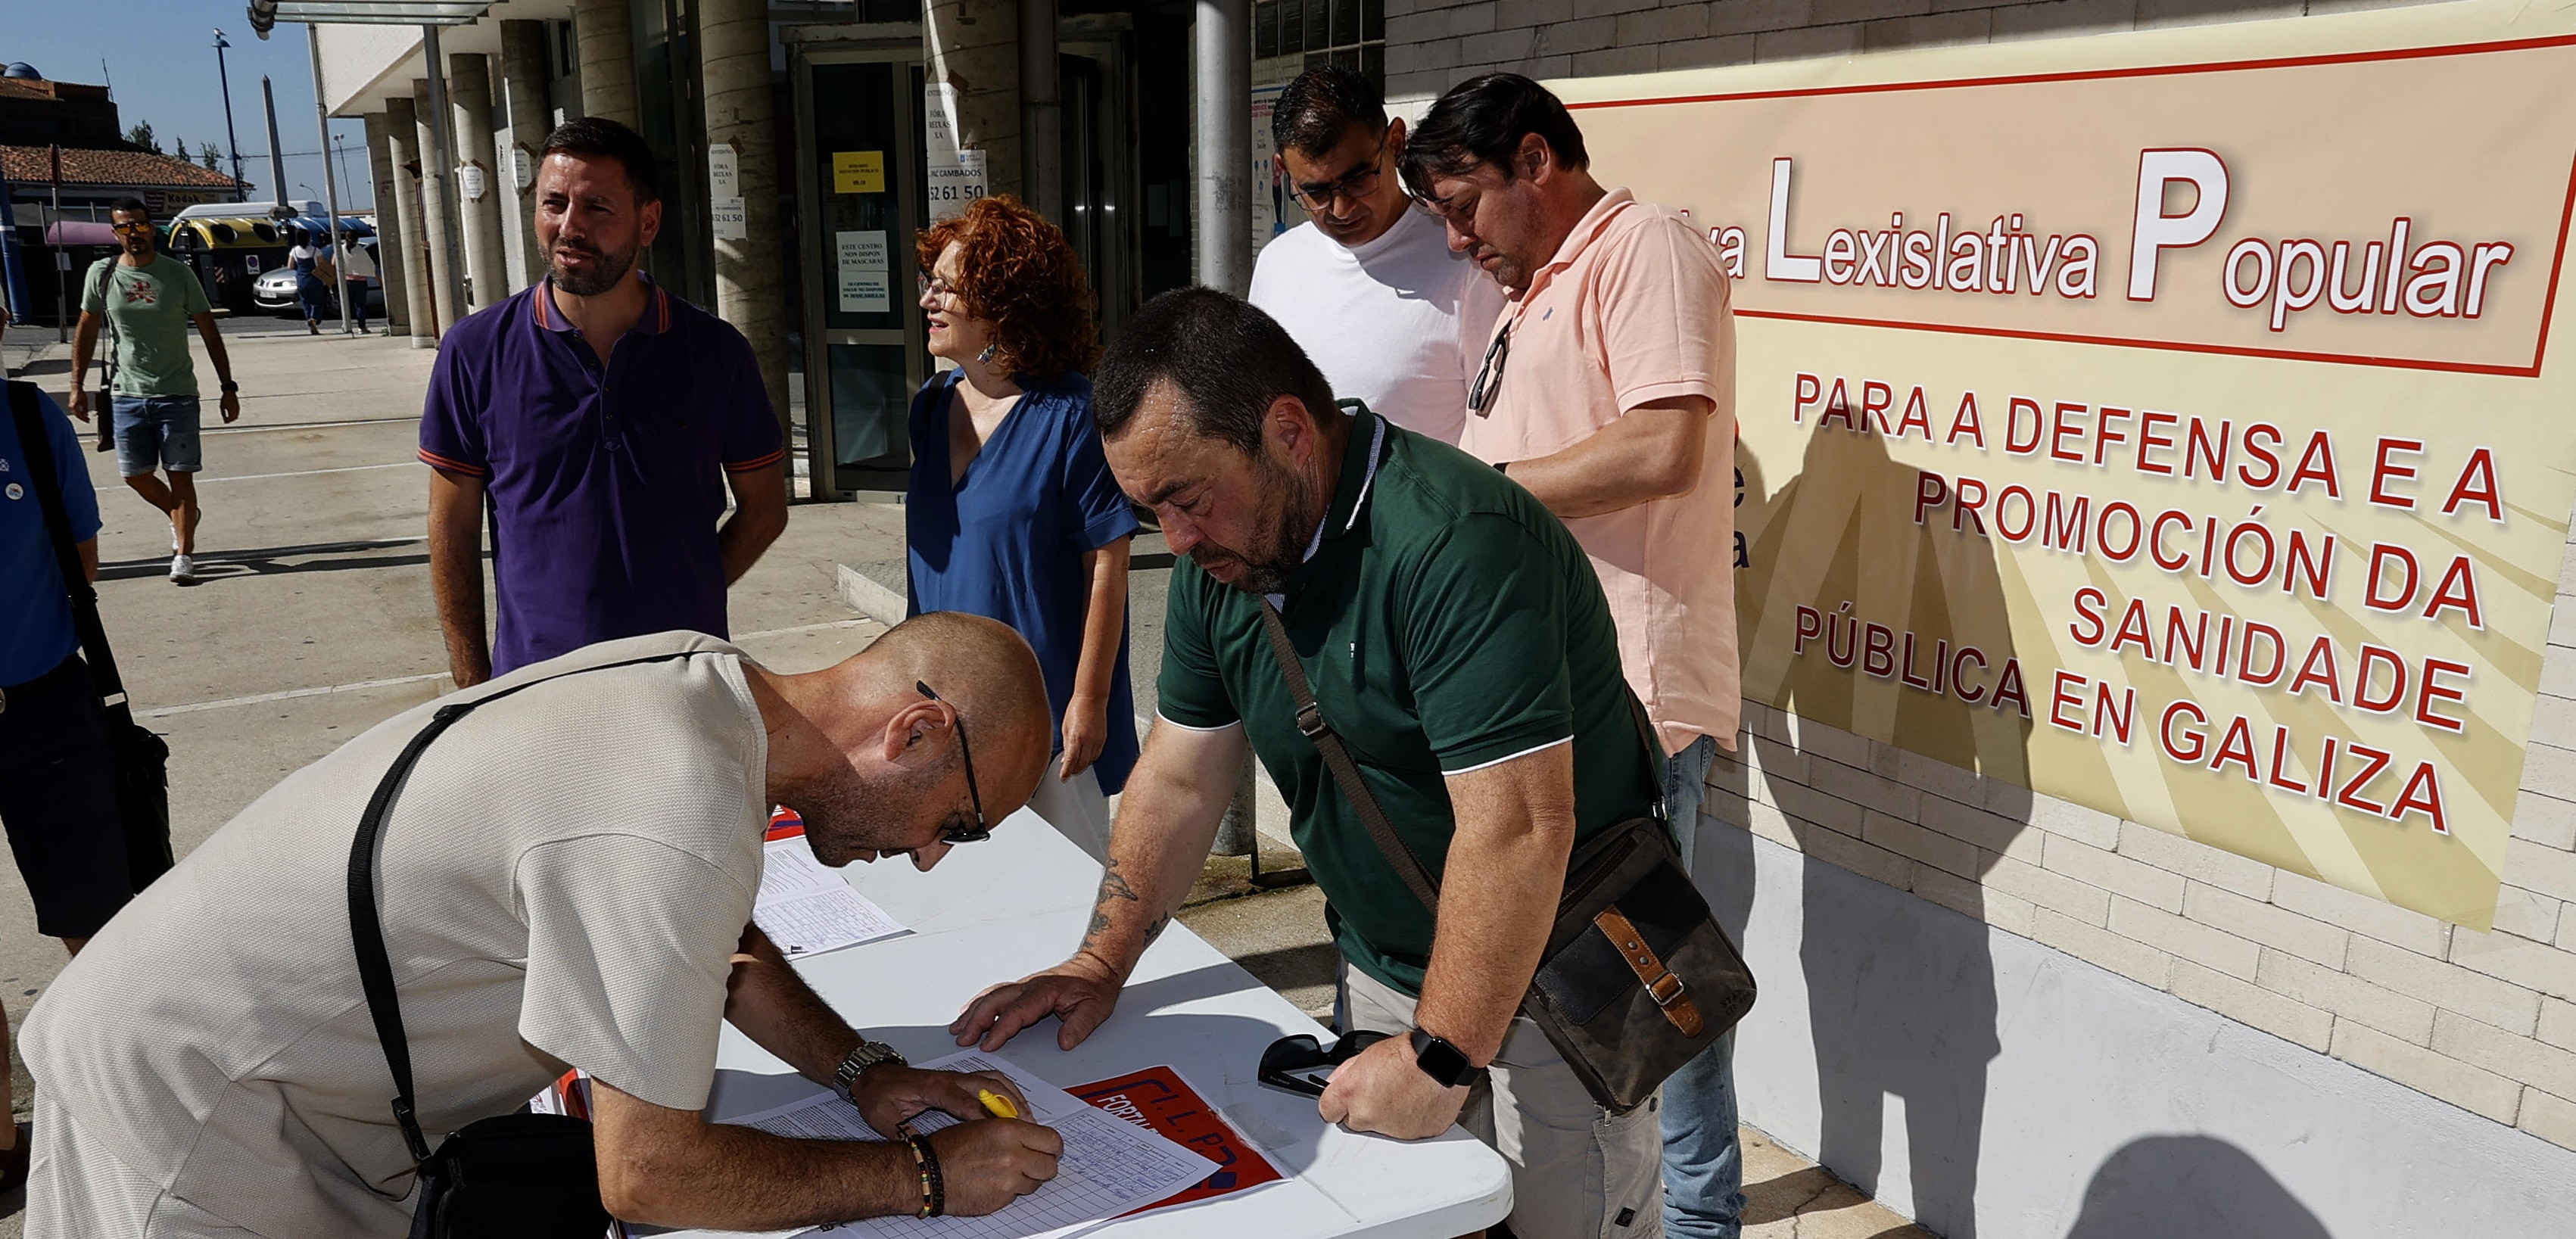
<point x="1356" y="185"/>
<point x="1283" y="1065"/>
<point x="982" y="829"/>
<point x="130" y="229"/>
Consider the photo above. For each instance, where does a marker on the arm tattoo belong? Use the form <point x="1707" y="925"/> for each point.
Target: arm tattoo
<point x="1113" y="885"/>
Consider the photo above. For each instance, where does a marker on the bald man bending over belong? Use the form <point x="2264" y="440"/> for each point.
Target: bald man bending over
<point x="566" y="880"/>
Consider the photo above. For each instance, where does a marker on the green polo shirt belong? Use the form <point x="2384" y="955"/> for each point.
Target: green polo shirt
<point x="1448" y="622"/>
<point x="153" y="307"/>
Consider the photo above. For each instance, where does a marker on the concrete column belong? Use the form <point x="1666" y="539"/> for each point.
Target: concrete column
<point x="733" y="49"/>
<point x="469" y="92"/>
<point x="403" y="148"/>
<point x="523" y="99"/>
<point x="1222" y="36"/>
<point x="435" y="226"/>
<point x="1041" y="111"/>
<point x="974" y="46"/>
<point x="607" y="49"/>
<point x="391" y="248"/>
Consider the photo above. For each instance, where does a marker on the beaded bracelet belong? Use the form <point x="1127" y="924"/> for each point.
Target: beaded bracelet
<point x="934" y="1189"/>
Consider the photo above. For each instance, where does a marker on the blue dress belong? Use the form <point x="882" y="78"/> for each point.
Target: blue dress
<point x="1007" y="541"/>
<point x="309" y="288"/>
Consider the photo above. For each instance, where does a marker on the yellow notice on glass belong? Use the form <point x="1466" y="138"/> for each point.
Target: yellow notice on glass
<point x="858" y="172"/>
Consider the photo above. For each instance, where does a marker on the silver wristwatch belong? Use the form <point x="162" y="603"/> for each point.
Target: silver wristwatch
<point x="869" y="1054"/>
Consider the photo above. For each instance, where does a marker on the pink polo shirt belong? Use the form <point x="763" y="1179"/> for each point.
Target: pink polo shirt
<point x="1631" y="311"/>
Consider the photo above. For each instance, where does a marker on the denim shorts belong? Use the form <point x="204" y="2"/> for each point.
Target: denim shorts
<point x="156" y="432"/>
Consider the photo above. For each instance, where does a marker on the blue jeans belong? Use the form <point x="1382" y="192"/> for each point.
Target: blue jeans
<point x="155" y="432"/>
<point x="1703" y="1167"/>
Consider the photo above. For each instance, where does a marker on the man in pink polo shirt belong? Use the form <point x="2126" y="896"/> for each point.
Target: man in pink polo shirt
<point x="1608" y="390"/>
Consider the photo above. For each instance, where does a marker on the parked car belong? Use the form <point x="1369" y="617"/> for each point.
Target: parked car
<point x="274" y="290"/>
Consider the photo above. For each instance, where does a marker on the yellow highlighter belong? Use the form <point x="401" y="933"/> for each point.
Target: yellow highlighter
<point x="1000" y="1106"/>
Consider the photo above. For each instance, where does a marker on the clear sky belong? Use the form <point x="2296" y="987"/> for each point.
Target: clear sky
<point x="160" y="60"/>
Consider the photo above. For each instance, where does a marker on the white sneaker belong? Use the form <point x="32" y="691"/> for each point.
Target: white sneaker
<point x="183" y="570"/>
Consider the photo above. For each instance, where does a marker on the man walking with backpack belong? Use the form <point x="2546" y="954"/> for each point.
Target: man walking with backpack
<point x="151" y="299"/>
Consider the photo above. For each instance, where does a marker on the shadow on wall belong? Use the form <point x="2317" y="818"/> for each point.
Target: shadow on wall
<point x="2167" y="1187"/>
<point x="1893" y="1010"/>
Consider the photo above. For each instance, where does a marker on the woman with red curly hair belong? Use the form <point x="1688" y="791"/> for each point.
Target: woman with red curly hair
<point x="1012" y="512"/>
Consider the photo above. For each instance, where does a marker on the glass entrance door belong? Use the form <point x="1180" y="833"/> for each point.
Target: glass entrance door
<point x="858" y="180"/>
<point x="1099" y="175"/>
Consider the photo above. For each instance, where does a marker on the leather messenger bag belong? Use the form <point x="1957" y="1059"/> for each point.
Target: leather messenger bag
<point x="1637" y="978"/>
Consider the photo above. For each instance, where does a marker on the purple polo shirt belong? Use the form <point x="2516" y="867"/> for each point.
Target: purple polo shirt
<point x="606" y="483"/>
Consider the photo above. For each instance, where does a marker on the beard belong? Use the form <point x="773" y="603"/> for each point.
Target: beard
<point x="604" y="273"/>
<point x="846" y="817"/>
<point x="1286" y="529"/>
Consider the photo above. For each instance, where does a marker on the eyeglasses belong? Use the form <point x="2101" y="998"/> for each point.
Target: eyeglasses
<point x="1290" y="1055"/>
<point x="1489" y="377"/>
<point x="129" y="227"/>
<point x="931" y="286"/>
<point x="1359" y="183"/>
<point x="982" y="829"/>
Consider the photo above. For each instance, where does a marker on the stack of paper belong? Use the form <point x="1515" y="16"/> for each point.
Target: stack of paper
<point x="1109" y="1166"/>
<point x="807" y="909"/>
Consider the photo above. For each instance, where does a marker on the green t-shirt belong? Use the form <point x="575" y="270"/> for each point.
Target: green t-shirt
<point x="151" y="307"/>
<point x="1447" y="622"/>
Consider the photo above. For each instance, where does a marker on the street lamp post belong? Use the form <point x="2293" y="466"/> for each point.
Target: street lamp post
<point x="230" y="139"/>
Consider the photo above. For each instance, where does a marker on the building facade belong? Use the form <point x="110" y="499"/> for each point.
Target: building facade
<point x="63" y="163"/>
<point x="2010" y="1014"/>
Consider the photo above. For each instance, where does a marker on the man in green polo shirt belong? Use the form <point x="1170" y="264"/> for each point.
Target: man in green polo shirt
<point x="1458" y="640"/>
<point x="153" y="299"/>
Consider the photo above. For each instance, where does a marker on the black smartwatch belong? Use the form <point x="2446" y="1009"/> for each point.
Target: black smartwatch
<point x="230" y="387"/>
<point x="1440" y="1060"/>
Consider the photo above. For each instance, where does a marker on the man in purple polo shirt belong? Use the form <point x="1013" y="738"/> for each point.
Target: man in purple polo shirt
<point x="597" y="411"/>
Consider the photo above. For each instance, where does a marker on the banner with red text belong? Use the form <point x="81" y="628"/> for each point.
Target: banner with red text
<point x="2173" y="423"/>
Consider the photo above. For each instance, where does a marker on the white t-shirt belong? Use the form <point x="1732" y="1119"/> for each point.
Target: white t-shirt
<point x="1400" y="322"/>
<point x="563" y="881"/>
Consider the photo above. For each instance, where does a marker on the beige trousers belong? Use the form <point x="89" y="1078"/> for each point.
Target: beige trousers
<point x="1076" y="808"/>
<point x="1578" y="1171"/>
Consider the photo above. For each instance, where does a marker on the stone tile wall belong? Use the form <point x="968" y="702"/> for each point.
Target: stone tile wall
<point x="2485" y="1021"/>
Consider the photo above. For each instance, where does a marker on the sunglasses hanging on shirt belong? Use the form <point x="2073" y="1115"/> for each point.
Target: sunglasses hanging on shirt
<point x="1489" y="376"/>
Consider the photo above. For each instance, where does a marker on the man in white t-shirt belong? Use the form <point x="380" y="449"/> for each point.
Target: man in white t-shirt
<point x="358" y="267"/>
<point x="1368" y="285"/>
<point x="566" y="880"/>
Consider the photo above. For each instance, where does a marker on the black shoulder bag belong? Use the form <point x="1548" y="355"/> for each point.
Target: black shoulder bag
<point x="514" y="1176"/>
<point x="1636" y="979"/>
<point x="141" y="758"/>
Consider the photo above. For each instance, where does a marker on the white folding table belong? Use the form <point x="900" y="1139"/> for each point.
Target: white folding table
<point x="1018" y="902"/>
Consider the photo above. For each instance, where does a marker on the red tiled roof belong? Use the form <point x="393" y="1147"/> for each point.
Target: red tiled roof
<point x="27" y="165"/>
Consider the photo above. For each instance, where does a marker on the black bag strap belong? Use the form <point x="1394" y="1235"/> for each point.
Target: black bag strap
<point x="1346" y="773"/>
<point x="366" y="925"/>
<point x="35" y="438"/>
<point x="1337" y="758"/>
